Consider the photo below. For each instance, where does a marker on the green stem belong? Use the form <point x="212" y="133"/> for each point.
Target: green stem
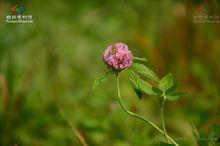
<point x="162" y="119"/>
<point x="137" y="116"/>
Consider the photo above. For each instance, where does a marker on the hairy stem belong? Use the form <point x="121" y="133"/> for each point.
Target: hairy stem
<point x="162" y="120"/>
<point x="137" y="116"/>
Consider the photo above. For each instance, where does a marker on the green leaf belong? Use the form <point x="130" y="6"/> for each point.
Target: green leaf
<point x="99" y="81"/>
<point x="145" y="71"/>
<point x="166" y="144"/>
<point x="145" y="87"/>
<point x="133" y="78"/>
<point x="172" y="97"/>
<point x="140" y="58"/>
<point x="157" y="91"/>
<point x="171" y="89"/>
<point x="140" y="84"/>
<point x="138" y="93"/>
<point x="166" y="82"/>
<point x="175" y="96"/>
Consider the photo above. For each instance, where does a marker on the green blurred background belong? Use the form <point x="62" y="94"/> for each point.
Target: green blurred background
<point x="47" y="70"/>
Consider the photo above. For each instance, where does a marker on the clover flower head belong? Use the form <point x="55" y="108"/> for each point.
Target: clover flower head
<point x="118" y="57"/>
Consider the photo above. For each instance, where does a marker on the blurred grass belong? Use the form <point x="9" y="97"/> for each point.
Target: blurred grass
<point x="54" y="61"/>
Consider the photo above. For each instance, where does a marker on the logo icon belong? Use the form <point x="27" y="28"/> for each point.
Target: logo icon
<point x="17" y="15"/>
<point x="17" y="9"/>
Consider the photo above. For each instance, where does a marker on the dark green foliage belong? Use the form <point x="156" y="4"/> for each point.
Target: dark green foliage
<point x="138" y="93"/>
<point x="157" y="91"/>
<point x="171" y="89"/>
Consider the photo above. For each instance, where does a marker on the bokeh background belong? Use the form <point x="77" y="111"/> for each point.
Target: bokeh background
<point x="47" y="70"/>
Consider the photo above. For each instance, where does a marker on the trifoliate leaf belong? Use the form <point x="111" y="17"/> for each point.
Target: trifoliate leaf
<point x="171" y="89"/>
<point x="145" y="71"/>
<point x="140" y="58"/>
<point x="99" y="81"/>
<point x="166" y="82"/>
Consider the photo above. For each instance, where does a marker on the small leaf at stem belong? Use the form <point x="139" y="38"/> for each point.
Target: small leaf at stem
<point x="171" y="89"/>
<point x="145" y="71"/>
<point x="172" y="97"/>
<point x="99" y="81"/>
<point x="175" y="96"/>
<point x="166" y="82"/>
<point x="157" y="91"/>
<point x="140" y="58"/>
